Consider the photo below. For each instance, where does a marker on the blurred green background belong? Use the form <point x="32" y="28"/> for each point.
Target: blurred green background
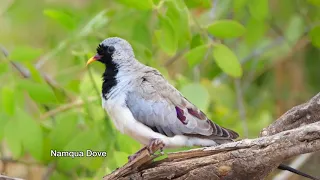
<point x="243" y="62"/>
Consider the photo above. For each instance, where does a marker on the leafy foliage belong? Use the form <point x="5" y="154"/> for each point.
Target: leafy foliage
<point x="50" y="101"/>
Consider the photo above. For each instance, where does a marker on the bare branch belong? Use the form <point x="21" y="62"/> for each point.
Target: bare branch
<point x="296" y="132"/>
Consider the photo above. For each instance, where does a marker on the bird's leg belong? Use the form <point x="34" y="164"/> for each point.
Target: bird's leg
<point x="153" y="144"/>
<point x="151" y="147"/>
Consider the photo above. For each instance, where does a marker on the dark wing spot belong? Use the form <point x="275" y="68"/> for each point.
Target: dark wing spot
<point x="180" y="115"/>
<point x="196" y="113"/>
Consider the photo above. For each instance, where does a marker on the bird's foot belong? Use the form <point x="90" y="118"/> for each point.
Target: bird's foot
<point x="151" y="147"/>
<point x="153" y="144"/>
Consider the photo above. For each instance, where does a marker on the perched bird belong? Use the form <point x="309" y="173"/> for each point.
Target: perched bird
<point x="144" y="105"/>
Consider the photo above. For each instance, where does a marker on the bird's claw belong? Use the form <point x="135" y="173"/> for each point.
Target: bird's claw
<point x="151" y="147"/>
<point x="153" y="144"/>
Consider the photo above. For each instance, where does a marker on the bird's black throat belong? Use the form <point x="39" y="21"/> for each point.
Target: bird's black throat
<point x="109" y="75"/>
<point x="109" y="78"/>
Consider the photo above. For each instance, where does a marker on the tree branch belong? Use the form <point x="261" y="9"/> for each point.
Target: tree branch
<point x="296" y="132"/>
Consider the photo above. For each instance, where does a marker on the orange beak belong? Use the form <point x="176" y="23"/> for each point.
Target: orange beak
<point x="94" y="58"/>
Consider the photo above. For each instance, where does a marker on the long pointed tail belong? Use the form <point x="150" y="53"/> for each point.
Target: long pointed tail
<point x="288" y="168"/>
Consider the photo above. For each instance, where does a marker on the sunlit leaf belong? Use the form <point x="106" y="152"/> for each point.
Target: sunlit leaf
<point x="227" y="60"/>
<point x="120" y="157"/>
<point x="24" y="53"/>
<point x="177" y="12"/>
<point x="196" y="55"/>
<point x="3" y="67"/>
<point x="12" y="138"/>
<point x="226" y="29"/>
<point x="199" y="3"/>
<point x="197" y="94"/>
<point x="315" y="36"/>
<point x="31" y="134"/>
<point x="255" y="31"/>
<point x="196" y="41"/>
<point x="137" y="4"/>
<point x="81" y="142"/>
<point x="295" y="29"/>
<point x="129" y="148"/>
<point x="96" y="22"/>
<point x="166" y="36"/>
<point x="239" y="5"/>
<point x="8" y="100"/>
<point x="88" y="86"/>
<point x="141" y="32"/>
<point x="65" y="128"/>
<point x="3" y="121"/>
<point x="259" y="9"/>
<point x="35" y="74"/>
<point x="64" y="19"/>
<point x="314" y="2"/>
<point x="41" y="93"/>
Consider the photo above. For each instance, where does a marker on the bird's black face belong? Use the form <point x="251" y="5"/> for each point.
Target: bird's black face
<point x="104" y="54"/>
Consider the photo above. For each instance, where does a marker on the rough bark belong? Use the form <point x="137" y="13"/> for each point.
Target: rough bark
<point x="296" y="132"/>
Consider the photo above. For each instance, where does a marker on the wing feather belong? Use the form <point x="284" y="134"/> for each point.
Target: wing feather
<point x="158" y="105"/>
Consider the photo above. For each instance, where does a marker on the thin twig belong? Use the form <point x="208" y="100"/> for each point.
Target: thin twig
<point x="2" y="177"/>
<point x="174" y="58"/>
<point x="296" y="164"/>
<point x="66" y="107"/>
<point x="241" y="108"/>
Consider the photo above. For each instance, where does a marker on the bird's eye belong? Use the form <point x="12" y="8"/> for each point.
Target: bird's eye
<point x="111" y="49"/>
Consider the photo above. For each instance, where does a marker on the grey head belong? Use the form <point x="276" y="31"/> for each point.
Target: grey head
<point x="114" y="51"/>
<point x="118" y="57"/>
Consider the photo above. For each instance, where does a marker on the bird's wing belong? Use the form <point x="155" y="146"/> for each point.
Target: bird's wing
<point x="158" y="105"/>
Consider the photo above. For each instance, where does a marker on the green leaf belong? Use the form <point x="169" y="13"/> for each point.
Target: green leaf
<point x="41" y="93"/>
<point x="129" y="148"/>
<point x="25" y="53"/>
<point x="3" y="121"/>
<point x="227" y="60"/>
<point x="141" y="32"/>
<point x="8" y="100"/>
<point x="35" y="74"/>
<point x="3" y="67"/>
<point x="64" y="129"/>
<point x="196" y="41"/>
<point x="64" y="19"/>
<point x="198" y="3"/>
<point x="97" y="22"/>
<point x="255" y="31"/>
<point x="259" y="9"/>
<point x="12" y="138"/>
<point x="177" y="12"/>
<point x="120" y="157"/>
<point x="226" y="29"/>
<point x="31" y="135"/>
<point x="196" y="55"/>
<point x="314" y="2"/>
<point x="239" y="5"/>
<point x="197" y="94"/>
<point x="81" y="142"/>
<point x="166" y="36"/>
<point x="295" y="29"/>
<point x="315" y="36"/>
<point x="137" y="4"/>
